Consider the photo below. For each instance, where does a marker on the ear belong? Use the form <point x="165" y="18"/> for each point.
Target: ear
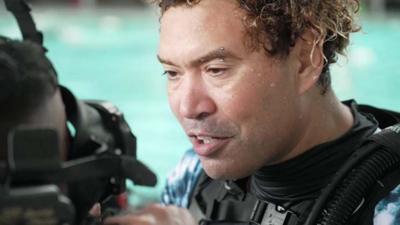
<point x="308" y="52"/>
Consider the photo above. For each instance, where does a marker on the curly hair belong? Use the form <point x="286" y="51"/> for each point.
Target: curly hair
<point x="276" y="24"/>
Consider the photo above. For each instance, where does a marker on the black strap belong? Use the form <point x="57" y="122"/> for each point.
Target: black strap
<point x="21" y="11"/>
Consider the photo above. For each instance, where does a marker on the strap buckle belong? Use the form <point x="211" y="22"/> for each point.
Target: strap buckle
<point x="266" y="213"/>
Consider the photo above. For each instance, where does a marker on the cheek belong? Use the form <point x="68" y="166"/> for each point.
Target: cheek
<point x="258" y="105"/>
<point x="244" y="100"/>
<point x="173" y="100"/>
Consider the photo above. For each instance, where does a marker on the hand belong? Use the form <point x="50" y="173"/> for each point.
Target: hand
<point x="154" y="215"/>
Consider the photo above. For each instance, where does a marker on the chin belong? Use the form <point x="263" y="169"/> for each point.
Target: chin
<point x="220" y="172"/>
<point x="216" y="175"/>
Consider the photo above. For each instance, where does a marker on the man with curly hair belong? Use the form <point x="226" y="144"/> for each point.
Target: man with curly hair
<point x="249" y="82"/>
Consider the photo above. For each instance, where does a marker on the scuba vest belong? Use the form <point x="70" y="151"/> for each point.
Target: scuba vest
<point x="350" y="197"/>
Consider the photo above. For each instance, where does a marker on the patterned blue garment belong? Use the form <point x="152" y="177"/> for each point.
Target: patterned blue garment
<point x="181" y="183"/>
<point x="182" y="180"/>
<point x="387" y="212"/>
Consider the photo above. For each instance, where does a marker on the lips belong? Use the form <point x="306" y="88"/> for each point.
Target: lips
<point x="206" y="145"/>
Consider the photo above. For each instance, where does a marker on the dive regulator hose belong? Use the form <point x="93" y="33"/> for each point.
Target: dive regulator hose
<point x="346" y="193"/>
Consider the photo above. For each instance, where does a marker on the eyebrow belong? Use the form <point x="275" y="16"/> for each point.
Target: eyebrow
<point x="220" y="53"/>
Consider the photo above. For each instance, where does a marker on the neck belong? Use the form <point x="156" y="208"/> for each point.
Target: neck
<point x="325" y="118"/>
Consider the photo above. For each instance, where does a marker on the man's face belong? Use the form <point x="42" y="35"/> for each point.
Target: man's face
<point x="239" y="107"/>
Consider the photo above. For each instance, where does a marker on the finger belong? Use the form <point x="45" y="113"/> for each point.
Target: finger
<point x="144" y="219"/>
<point x="95" y="211"/>
<point x="118" y="220"/>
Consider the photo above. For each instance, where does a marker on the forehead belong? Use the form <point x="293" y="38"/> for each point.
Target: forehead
<point x="207" y="25"/>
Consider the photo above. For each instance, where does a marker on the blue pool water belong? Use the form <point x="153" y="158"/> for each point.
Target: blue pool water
<point x="111" y="54"/>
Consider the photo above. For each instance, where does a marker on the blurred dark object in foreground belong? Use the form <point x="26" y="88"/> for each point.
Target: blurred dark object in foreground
<point x="36" y="185"/>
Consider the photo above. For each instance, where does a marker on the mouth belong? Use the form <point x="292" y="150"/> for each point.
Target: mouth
<point x="206" y="145"/>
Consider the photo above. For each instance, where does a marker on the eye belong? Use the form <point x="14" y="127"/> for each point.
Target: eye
<point x="172" y="75"/>
<point x="216" y="71"/>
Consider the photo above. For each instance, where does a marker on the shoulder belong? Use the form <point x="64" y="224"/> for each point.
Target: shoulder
<point x="182" y="180"/>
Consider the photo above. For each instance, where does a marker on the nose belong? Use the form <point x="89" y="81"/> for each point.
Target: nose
<point x="195" y="100"/>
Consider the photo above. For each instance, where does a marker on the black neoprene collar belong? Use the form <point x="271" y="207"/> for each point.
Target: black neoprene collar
<point x="302" y="177"/>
